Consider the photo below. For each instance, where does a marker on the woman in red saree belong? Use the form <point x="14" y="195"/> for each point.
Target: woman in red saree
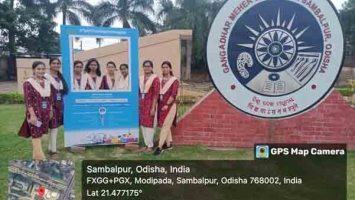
<point x="149" y="87"/>
<point x="91" y="79"/>
<point x="167" y="108"/>
<point x="39" y="110"/>
<point x="59" y="88"/>
<point x="110" y="80"/>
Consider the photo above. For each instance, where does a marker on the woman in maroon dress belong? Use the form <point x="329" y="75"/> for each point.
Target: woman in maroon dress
<point x="110" y="80"/>
<point x="167" y="108"/>
<point x="91" y="79"/>
<point x="39" y="110"/>
<point x="149" y="87"/>
<point x="78" y="70"/>
<point x="58" y="89"/>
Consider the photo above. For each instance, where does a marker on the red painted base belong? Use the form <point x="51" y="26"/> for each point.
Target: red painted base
<point x="214" y="122"/>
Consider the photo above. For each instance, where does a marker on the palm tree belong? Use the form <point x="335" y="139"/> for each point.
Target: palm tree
<point x="188" y="14"/>
<point x="197" y="15"/>
<point x="71" y="10"/>
<point x="347" y="17"/>
<point x="94" y="17"/>
<point x="132" y="13"/>
<point x="214" y="8"/>
<point x="8" y="27"/>
<point x="166" y="7"/>
<point x="8" y="18"/>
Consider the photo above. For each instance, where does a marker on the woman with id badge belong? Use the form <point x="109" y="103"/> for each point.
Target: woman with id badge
<point x="39" y="110"/>
<point x="149" y="87"/>
<point x="167" y="108"/>
<point x="58" y="89"/>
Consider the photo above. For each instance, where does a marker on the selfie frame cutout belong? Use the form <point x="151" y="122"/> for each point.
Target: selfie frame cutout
<point x="82" y="121"/>
<point x="72" y="38"/>
<point x="69" y="33"/>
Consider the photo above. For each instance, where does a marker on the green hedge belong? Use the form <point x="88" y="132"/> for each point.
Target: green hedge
<point x="345" y="91"/>
<point x="11" y="98"/>
<point x="187" y="99"/>
<point x="16" y="98"/>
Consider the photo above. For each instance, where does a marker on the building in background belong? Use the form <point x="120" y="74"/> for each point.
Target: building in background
<point x="174" y="46"/>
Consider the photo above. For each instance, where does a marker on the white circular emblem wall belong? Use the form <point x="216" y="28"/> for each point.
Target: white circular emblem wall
<point x="275" y="59"/>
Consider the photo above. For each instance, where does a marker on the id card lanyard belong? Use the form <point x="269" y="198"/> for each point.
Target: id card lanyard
<point x="144" y="83"/>
<point x="59" y="95"/>
<point x="113" y="83"/>
<point x="44" y="101"/>
<point x="161" y="88"/>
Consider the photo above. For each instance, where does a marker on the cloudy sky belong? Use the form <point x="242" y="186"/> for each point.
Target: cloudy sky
<point x="90" y="43"/>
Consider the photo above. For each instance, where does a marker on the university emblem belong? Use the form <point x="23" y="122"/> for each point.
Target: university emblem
<point x="275" y="58"/>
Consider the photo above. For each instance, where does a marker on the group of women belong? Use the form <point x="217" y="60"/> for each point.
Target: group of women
<point x="44" y="100"/>
<point x="92" y="78"/>
<point x="44" y="106"/>
<point x="157" y="105"/>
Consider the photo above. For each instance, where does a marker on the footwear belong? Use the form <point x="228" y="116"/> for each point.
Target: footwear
<point x="166" y="147"/>
<point x="51" y="152"/>
<point x="158" y="151"/>
<point x="53" y="155"/>
<point x="149" y="149"/>
<point x="142" y="149"/>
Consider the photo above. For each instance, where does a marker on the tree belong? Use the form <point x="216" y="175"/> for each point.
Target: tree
<point x="8" y="22"/>
<point x="71" y="10"/>
<point x="37" y="33"/>
<point x="214" y="8"/>
<point x="347" y="17"/>
<point x="132" y="13"/>
<point x="11" y="28"/>
<point x="197" y="15"/>
<point x="94" y="17"/>
<point x="28" y="25"/>
<point x="166" y="8"/>
<point x="8" y="19"/>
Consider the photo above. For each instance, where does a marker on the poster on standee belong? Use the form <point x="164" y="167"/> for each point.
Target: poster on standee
<point x="101" y="69"/>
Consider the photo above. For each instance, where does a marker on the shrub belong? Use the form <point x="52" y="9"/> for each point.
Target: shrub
<point x="11" y="98"/>
<point x="187" y="99"/>
<point x="16" y="98"/>
<point x="345" y="91"/>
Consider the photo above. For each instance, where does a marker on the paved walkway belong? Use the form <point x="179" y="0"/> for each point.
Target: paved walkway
<point x="8" y="86"/>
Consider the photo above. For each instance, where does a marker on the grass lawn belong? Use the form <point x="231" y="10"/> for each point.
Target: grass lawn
<point x="13" y="147"/>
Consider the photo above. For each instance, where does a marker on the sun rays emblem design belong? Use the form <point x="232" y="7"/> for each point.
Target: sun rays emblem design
<point x="275" y="42"/>
<point x="273" y="58"/>
<point x="285" y="58"/>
